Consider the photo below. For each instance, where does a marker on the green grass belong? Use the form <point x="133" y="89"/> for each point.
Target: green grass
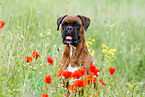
<point x="32" y="17"/>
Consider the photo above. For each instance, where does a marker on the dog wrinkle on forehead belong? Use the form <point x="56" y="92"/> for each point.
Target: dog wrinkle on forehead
<point x="71" y="19"/>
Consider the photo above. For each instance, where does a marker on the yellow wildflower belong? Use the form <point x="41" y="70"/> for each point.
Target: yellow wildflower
<point x="103" y="45"/>
<point x="112" y="53"/>
<point x="93" y="51"/>
<point x="108" y="57"/>
<point x="108" y="52"/>
<point x="92" y="54"/>
<point x="88" y="46"/>
<point x="114" y="50"/>
<point x="87" y="41"/>
<point x="108" y="62"/>
<point x="104" y="51"/>
<point x="89" y="51"/>
<point x="93" y="40"/>
<point x="90" y="43"/>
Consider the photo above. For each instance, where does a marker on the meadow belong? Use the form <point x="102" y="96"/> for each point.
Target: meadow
<point x="30" y="25"/>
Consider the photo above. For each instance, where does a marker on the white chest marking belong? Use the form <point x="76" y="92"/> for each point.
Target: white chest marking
<point x="70" y="50"/>
<point x="69" y="68"/>
<point x="72" y="69"/>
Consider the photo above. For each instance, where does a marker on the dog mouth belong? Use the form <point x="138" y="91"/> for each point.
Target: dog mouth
<point x="68" y="39"/>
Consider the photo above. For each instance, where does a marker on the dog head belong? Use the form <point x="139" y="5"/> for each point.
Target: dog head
<point x="73" y="28"/>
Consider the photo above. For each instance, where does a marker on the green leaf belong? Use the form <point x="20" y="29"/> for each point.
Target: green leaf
<point x="129" y="85"/>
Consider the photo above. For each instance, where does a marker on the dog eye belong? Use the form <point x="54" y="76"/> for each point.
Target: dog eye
<point x="77" y="25"/>
<point x="65" y="24"/>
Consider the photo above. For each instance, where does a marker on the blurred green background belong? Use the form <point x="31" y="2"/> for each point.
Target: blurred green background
<point x="118" y="24"/>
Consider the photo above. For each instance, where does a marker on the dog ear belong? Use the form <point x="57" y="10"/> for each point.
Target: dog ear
<point x="59" y="20"/>
<point x="85" y="21"/>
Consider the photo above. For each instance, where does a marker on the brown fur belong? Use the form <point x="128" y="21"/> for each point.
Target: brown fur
<point x="80" y="54"/>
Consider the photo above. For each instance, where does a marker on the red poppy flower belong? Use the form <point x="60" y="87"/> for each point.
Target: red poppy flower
<point x="112" y="70"/>
<point x="76" y="74"/>
<point x="94" y="80"/>
<point x="71" y="87"/>
<point x="44" y="95"/>
<point x="67" y="74"/>
<point x="89" y="78"/>
<point x="28" y="59"/>
<point x="47" y="79"/>
<point x="96" y="72"/>
<point x="102" y="82"/>
<point x="1" y="25"/>
<point x="80" y="83"/>
<point x="83" y="72"/>
<point x="92" y="68"/>
<point x="59" y="73"/>
<point x="35" y="54"/>
<point x="50" y="60"/>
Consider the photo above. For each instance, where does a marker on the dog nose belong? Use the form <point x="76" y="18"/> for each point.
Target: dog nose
<point x="69" y="28"/>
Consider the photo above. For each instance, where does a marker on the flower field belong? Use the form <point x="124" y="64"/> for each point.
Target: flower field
<point x="31" y="47"/>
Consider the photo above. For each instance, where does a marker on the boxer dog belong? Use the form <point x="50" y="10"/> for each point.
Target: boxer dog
<point x="73" y="30"/>
<point x="76" y="54"/>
